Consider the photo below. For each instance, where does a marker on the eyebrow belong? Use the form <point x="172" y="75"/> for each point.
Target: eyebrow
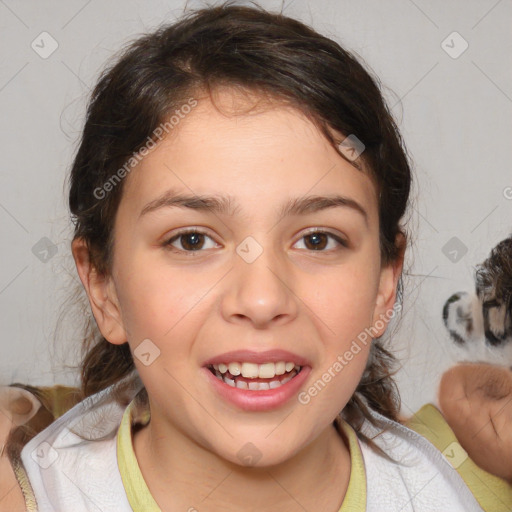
<point x="226" y="205"/>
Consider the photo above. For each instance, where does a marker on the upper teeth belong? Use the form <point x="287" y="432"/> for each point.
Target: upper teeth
<point x="253" y="371"/>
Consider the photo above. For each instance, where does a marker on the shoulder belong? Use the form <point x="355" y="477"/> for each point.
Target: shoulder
<point x="73" y="461"/>
<point x="492" y="492"/>
<point x="411" y="474"/>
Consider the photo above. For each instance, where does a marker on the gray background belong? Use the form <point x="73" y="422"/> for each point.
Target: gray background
<point x="454" y="114"/>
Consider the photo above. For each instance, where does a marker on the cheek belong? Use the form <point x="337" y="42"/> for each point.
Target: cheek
<point x="343" y="302"/>
<point x="154" y="298"/>
<point x="336" y="379"/>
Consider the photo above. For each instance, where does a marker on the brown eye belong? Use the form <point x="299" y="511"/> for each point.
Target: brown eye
<point x="319" y="241"/>
<point x="191" y="240"/>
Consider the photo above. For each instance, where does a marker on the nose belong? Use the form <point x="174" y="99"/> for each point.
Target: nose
<point x="260" y="292"/>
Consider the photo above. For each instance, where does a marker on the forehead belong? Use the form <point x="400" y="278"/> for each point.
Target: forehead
<point x="247" y="148"/>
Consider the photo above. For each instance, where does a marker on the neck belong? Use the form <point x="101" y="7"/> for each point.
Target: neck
<point x="183" y="474"/>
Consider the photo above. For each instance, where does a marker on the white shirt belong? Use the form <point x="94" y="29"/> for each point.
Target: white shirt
<point x="69" y="474"/>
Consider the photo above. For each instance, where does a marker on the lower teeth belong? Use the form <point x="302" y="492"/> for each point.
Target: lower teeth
<point x="255" y="386"/>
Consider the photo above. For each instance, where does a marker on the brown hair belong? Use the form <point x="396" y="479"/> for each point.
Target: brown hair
<point x="252" y="50"/>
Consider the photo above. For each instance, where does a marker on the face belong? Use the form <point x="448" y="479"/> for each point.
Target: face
<point x="246" y="278"/>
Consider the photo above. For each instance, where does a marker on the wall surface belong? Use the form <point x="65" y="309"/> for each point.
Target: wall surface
<point x="445" y="69"/>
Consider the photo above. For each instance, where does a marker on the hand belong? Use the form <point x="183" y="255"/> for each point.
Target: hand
<point x="476" y="401"/>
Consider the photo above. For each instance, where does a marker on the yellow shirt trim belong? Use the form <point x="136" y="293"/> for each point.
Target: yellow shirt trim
<point x="26" y="488"/>
<point x="355" y="498"/>
<point x="141" y="500"/>
<point x="137" y="491"/>
<point x="492" y="493"/>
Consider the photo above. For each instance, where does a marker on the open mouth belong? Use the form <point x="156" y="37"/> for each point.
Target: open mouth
<point x="255" y="377"/>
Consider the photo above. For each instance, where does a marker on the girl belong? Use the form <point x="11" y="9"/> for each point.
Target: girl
<point x="237" y="195"/>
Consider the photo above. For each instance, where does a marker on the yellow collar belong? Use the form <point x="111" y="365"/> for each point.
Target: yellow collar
<point x="141" y="499"/>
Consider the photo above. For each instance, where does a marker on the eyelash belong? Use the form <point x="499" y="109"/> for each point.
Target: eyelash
<point x="168" y="243"/>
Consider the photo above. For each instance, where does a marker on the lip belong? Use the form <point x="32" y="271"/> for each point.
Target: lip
<point x="251" y="356"/>
<point x="261" y="400"/>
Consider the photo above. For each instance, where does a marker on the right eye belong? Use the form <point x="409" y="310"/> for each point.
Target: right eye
<point x="190" y="239"/>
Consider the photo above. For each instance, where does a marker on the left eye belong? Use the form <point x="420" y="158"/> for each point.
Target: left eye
<point x="319" y="240"/>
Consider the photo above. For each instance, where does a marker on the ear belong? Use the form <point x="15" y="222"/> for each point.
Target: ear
<point x="102" y="294"/>
<point x="386" y="295"/>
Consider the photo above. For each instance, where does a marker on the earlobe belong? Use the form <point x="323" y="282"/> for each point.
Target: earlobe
<point x="101" y="294"/>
